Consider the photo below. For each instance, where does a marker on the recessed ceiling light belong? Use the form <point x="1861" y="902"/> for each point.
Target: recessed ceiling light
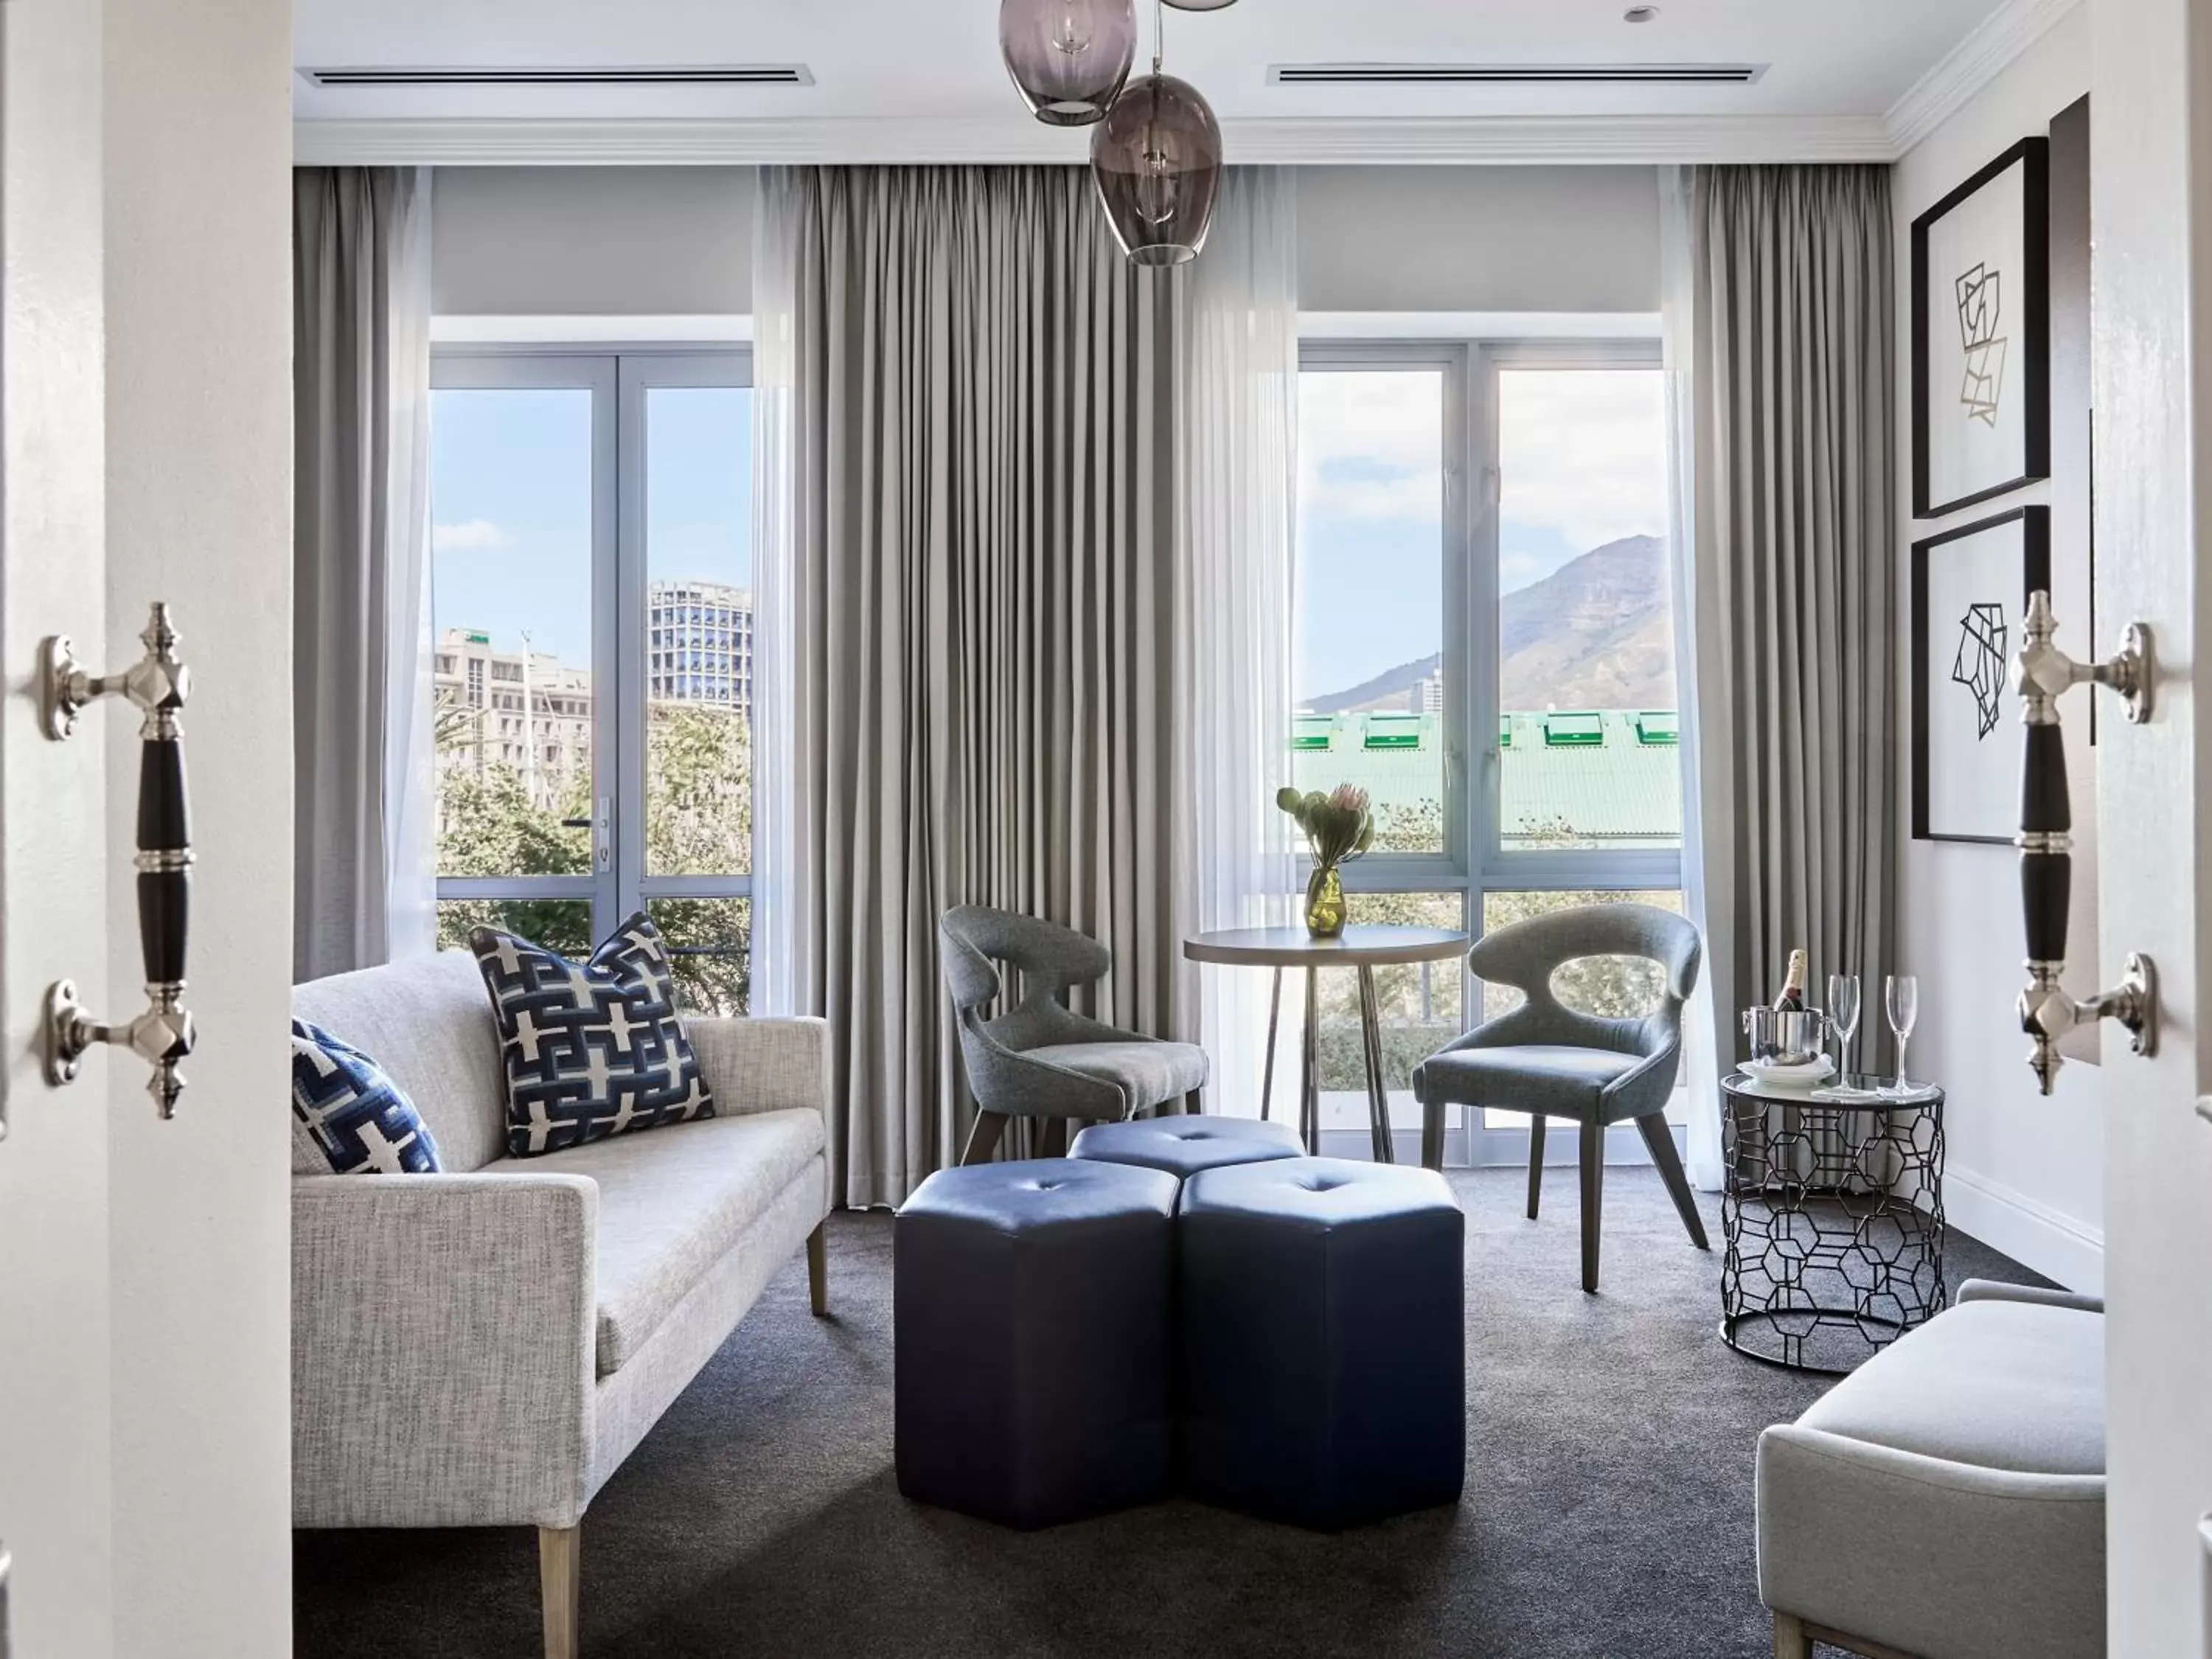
<point x="1640" y="13"/>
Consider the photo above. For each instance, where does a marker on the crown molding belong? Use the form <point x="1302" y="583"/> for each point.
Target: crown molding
<point x="1587" y="140"/>
<point x="1976" y="61"/>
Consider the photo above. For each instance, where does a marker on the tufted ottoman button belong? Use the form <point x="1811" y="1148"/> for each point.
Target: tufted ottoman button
<point x="1184" y="1145"/>
<point x="1031" y="1320"/>
<point x="1321" y="1313"/>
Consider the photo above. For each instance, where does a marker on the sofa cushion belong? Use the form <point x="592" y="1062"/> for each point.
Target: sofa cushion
<point x="591" y="1049"/>
<point x="1997" y="1385"/>
<point x="426" y="1023"/>
<point x="354" y="1114"/>
<point x="671" y="1204"/>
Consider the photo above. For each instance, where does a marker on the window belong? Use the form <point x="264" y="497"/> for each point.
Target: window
<point x="1493" y="663"/>
<point x="577" y="500"/>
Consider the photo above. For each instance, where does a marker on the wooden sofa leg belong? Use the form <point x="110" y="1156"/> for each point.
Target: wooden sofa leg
<point x="817" y="1271"/>
<point x="560" y="1560"/>
<point x="1790" y="1641"/>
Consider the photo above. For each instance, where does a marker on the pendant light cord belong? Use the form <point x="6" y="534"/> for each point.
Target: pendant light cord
<point x="1159" y="34"/>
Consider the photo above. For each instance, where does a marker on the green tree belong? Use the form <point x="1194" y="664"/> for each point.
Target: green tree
<point x="698" y="822"/>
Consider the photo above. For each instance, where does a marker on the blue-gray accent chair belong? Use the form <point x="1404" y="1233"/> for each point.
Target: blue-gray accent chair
<point x="1041" y="1058"/>
<point x="1544" y="1059"/>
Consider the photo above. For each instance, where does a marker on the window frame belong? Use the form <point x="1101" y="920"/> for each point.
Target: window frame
<point x="618" y="375"/>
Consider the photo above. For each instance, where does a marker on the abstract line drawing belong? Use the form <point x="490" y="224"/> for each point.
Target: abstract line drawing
<point x="1979" y="664"/>
<point x="1980" y="298"/>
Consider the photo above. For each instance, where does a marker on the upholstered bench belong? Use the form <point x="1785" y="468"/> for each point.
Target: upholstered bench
<point x="1947" y="1498"/>
<point x="1323" y="1340"/>
<point x="1032" y="1330"/>
<point x="1184" y="1145"/>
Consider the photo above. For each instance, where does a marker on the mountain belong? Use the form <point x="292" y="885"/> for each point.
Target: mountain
<point x="1597" y="633"/>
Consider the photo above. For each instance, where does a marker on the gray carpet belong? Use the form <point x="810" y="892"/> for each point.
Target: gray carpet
<point x="1608" y="1512"/>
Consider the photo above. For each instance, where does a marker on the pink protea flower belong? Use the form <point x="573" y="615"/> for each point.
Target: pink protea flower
<point x="1349" y="798"/>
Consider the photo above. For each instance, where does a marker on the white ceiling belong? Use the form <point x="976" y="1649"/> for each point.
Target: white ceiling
<point x="891" y="62"/>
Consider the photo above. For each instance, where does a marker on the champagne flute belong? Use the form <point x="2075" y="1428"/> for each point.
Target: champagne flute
<point x="1901" y="1000"/>
<point x="1843" y="1016"/>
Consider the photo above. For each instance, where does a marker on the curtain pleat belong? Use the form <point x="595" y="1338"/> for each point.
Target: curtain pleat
<point x="363" y="880"/>
<point x="1794" y="308"/>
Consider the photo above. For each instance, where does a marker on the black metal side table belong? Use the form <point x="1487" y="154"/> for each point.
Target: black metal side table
<point x="1832" y="1211"/>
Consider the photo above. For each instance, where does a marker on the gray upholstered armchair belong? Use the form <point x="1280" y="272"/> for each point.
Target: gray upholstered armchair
<point x="1544" y="1059"/>
<point x="1041" y="1058"/>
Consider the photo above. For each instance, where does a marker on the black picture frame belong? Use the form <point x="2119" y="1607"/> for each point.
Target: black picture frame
<point x="2035" y="269"/>
<point x="2035" y="573"/>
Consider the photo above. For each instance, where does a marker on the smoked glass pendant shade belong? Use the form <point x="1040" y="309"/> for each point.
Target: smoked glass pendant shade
<point x="1068" y="57"/>
<point x="1157" y="160"/>
<point x="1201" y="5"/>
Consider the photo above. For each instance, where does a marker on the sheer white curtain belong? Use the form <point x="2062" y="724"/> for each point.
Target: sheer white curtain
<point x="1237" y="501"/>
<point x="411" y="786"/>
<point x="1706" y="1032"/>
<point x="780" y="973"/>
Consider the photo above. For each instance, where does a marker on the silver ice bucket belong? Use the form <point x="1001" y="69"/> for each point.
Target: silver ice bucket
<point x="1794" y="1038"/>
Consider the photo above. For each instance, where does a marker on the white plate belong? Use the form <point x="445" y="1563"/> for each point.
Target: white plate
<point x="1803" y="1076"/>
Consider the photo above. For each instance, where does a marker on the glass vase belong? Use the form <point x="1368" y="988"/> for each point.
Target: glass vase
<point x="1324" y="902"/>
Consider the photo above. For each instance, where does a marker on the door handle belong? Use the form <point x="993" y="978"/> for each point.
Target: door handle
<point x="2041" y="673"/>
<point x="157" y="684"/>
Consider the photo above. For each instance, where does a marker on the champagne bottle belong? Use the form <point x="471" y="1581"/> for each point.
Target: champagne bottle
<point x="1792" y="1000"/>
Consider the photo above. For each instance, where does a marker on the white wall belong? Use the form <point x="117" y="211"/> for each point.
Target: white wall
<point x="659" y="242"/>
<point x="199" y="468"/>
<point x="1427" y="238"/>
<point x="2025" y="1173"/>
<point x="592" y="241"/>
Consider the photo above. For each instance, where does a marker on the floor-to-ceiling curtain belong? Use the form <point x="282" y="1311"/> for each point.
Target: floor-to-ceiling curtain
<point x="982" y="641"/>
<point x="1795" y="618"/>
<point x="1236" y="498"/>
<point x="363" y="808"/>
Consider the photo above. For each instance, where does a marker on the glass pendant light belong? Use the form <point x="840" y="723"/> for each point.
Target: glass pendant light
<point x="1155" y="159"/>
<point x="1201" y="5"/>
<point x="1068" y="57"/>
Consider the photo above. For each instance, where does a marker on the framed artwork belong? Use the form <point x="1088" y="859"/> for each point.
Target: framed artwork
<point x="1970" y="589"/>
<point x="1981" y="335"/>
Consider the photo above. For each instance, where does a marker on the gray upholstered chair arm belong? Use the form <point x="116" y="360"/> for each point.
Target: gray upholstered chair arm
<point x="443" y="1349"/>
<point x="1988" y="1289"/>
<point x="1654" y="1074"/>
<point x="765" y="1065"/>
<point x="1023" y="1085"/>
<point x="1812" y="1483"/>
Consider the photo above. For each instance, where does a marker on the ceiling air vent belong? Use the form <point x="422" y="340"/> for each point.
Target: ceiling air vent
<point x="1456" y="75"/>
<point x="725" y="74"/>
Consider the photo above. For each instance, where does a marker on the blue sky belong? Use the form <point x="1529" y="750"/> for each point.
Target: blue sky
<point x="1582" y="461"/>
<point x="1580" y="456"/>
<point x="510" y="504"/>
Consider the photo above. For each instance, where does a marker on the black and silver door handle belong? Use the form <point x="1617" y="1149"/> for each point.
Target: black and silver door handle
<point x="157" y="684"/>
<point x="2041" y="673"/>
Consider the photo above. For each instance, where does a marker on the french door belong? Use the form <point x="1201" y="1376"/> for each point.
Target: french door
<point x="593" y="623"/>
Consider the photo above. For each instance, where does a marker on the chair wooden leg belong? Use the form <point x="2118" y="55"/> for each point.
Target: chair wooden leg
<point x="1193" y="1103"/>
<point x="1661" y="1140"/>
<point x="1053" y="1142"/>
<point x="1790" y="1641"/>
<point x="1536" y="1162"/>
<point x="990" y="1128"/>
<point x="1433" y="1134"/>
<point x="1593" y="1172"/>
<point x="817" y="1271"/>
<point x="560" y="1561"/>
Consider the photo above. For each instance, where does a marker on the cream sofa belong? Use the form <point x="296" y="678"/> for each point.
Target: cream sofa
<point x="484" y="1346"/>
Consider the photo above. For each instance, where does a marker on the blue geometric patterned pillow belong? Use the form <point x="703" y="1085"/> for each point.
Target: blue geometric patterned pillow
<point x="591" y="1049"/>
<point x="360" y="1119"/>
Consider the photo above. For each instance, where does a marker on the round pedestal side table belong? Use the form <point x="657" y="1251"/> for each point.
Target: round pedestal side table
<point x="1364" y="947"/>
<point x="1832" y="1211"/>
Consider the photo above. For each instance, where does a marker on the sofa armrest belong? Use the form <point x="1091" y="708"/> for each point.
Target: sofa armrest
<point x="1990" y="1289"/>
<point x="442" y="1349"/>
<point x="766" y="1064"/>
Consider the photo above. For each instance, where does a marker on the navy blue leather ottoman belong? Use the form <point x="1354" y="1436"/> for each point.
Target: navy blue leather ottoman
<point x="1323" y="1330"/>
<point x="1033" y="1331"/>
<point x="1184" y="1145"/>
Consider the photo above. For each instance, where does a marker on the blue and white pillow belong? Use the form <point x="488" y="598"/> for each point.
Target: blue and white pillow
<point x="357" y="1116"/>
<point x="591" y="1049"/>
